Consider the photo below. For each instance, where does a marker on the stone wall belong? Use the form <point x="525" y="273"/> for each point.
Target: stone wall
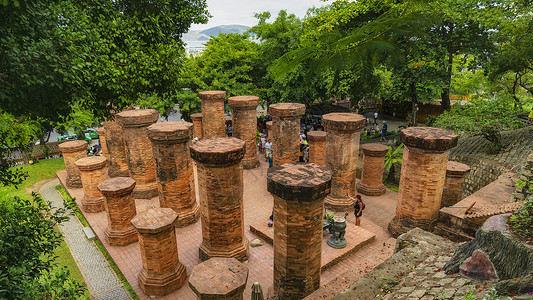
<point x="483" y="171"/>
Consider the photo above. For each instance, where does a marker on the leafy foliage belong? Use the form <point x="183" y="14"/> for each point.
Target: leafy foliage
<point x="521" y="222"/>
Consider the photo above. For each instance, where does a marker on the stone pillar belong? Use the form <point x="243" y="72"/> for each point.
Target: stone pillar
<point x="118" y="163"/>
<point x="213" y="119"/>
<point x="269" y="129"/>
<point x="101" y="137"/>
<point x="317" y="147"/>
<point x="245" y="126"/>
<point x="425" y="158"/>
<point x="162" y="272"/>
<point x="299" y="190"/>
<point x="221" y="190"/>
<point x="92" y="170"/>
<point x="72" y="151"/>
<point x="219" y="278"/>
<point x="453" y="186"/>
<point x="139" y="150"/>
<point x="286" y="131"/>
<point x="120" y="209"/>
<point x="197" y="121"/>
<point x="175" y="175"/>
<point x="342" y="148"/>
<point x="371" y="183"/>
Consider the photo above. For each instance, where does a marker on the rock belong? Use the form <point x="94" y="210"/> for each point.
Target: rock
<point x="479" y="267"/>
<point x="256" y="243"/>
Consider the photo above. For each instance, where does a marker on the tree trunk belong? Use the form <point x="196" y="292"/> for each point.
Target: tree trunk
<point x="414" y="103"/>
<point x="445" y="104"/>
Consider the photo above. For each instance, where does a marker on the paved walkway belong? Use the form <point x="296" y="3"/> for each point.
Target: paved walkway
<point x="99" y="276"/>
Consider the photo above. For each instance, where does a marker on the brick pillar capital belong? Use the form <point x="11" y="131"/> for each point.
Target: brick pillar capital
<point x="375" y="150"/>
<point x="243" y="102"/>
<point x="100" y="131"/>
<point x="91" y="163"/>
<point x="343" y="122"/>
<point x="429" y="138"/>
<point x="299" y="181"/>
<point x="137" y="117"/>
<point x="218" y="151"/>
<point x="170" y="131"/>
<point x="316" y="136"/>
<point x="212" y="95"/>
<point x="117" y="186"/>
<point x="269" y="125"/>
<point x="287" y="110"/>
<point x="219" y="278"/>
<point x="73" y="146"/>
<point x="196" y="116"/>
<point x="154" y="220"/>
<point x="456" y="169"/>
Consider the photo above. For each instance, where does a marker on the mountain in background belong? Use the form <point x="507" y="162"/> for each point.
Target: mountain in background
<point x="205" y="35"/>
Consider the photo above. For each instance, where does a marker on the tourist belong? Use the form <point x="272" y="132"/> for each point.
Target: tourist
<point x="383" y="131"/>
<point x="376" y="117"/>
<point x="268" y="148"/>
<point x="262" y="144"/>
<point x="358" y="209"/>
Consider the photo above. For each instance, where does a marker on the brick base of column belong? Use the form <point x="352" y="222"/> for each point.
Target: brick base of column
<point x="250" y="164"/>
<point x="188" y="218"/>
<point x="339" y="204"/>
<point x="240" y="253"/>
<point x="162" y="286"/>
<point x="147" y="192"/>
<point x="400" y="226"/>
<point x="371" y="190"/>
<point x="93" y="206"/>
<point x="121" y="238"/>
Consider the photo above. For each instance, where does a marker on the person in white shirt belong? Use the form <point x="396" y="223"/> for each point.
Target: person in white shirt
<point x="376" y="117"/>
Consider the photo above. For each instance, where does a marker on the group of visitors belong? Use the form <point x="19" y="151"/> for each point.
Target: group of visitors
<point x="265" y="147"/>
<point x="375" y="128"/>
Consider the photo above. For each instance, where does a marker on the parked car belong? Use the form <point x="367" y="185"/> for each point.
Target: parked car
<point x="71" y="137"/>
<point x="92" y="133"/>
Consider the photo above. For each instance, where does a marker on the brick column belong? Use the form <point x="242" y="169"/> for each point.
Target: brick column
<point x="219" y="278"/>
<point x="213" y="119"/>
<point x="221" y="190"/>
<point x="269" y="129"/>
<point x="342" y="148"/>
<point x="120" y="209"/>
<point x="245" y="126"/>
<point x="72" y="151"/>
<point x="175" y="175"/>
<point x="118" y="163"/>
<point x="139" y="150"/>
<point x="101" y="137"/>
<point x="299" y="190"/>
<point x="197" y="121"/>
<point x="162" y="272"/>
<point x="286" y="131"/>
<point x="453" y="186"/>
<point x="425" y="158"/>
<point x="317" y="147"/>
<point x="92" y="170"/>
<point x="371" y="183"/>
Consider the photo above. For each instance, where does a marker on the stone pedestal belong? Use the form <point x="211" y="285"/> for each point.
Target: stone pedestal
<point x="213" y="120"/>
<point x="371" y="183"/>
<point x="317" y="147"/>
<point x="120" y="209"/>
<point x="342" y="148"/>
<point x="219" y="278"/>
<point x="425" y="158"/>
<point x="72" y="151"/>
<point x="175" y="174"/>
<point x="453" y="186"/>
<point x="101" y="137"/>
<point x="92" y="170"/>
<point x="269" y="130"/>
<point x="286" y="131"/>
<point x="118" y="163"/>
<point x="299" y="190"/>
<point x="162" y="272"/>
<point x="139" y="150"/>
<point x="245" y="126"/>
<point x="197" y="121"/>
<point x="221" y="190"/>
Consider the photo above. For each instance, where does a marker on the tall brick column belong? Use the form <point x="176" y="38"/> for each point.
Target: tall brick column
<point x="453" y="186"/>
<point x="92" y="170"/>
<point x="120" y="209"/>
<point x="139" y="150"/>
<point x="299" y="190"/>
<point x="245" y="126"/>
<point x="175" y="175"/>
<point x="286" y="131"/>
<point x="219" y="278"/>
<point x="72" y="151"/>
<point x="213" y="119"/>
<point x="118" y="162"/>
<point x="269" y="129"/>
<point x="425" y="158"/>
<point x="317" y="147"/>
<point x="342" y="150"/>
<point x="371" y="183"/>
<point x="197" y="121"/>
<point x="101" y="137"/>
<point x="162" y="272"/>
<point x="221" y="190"/>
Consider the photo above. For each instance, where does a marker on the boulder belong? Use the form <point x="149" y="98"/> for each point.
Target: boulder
<point x="479" y="267"/>
<point x="256" y="243"/>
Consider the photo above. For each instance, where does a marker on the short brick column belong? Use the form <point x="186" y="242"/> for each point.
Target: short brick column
<point x="120" y="209"/>
<point x="342" y="149"/>
<point x="213" y="119"/>
<point x="101" y="137"/>
<point x="175" y="174"/>
<point x="221" y="190"/>
<point x="299" y="190"/>
<point x="245" y="126"/>
<point x="371" y="183"/>
<point x="116" y="147"/>
<point x="92" y="170"/>
<point x="269" y="130"/>
<point x="139" y="150"/>
<point x="197" y="121"/>
<point x="453" y="186"/>
<point x="425" y="158"/>
<point x="219" y="278"/>
<point x="162" y="272"/>
<point x="72" y="151"/>
<point x="286" y="131"/>
<point x="317" y="147"/>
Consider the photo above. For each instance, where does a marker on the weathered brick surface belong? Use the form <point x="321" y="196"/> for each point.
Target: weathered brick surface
<point x="453" y="186"/>
<point x="213" y="120"/>
<point x="197" y="121"/>
<point x="286" y="131"/>
<point x="120" y="209"/>
<point x="101" y="137"/>
<point x="162" y="272"/>
<point x="219" y="278"/>
<point x="175" y="177"/>
<point x="72" y="151"/>
<point x="371" y="183"/>
<point x="317" y="147"/>
<point x="139" y="150"/>
<point x="269" y="130"/>
<point x="244" y="126"/>
<point x="118" y="162"/>
<point x="92" y="170"/>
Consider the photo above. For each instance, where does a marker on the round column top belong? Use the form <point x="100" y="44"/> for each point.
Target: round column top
<point x="218" y="151"/>
<point x="269" y="124"/>
<point x="73" y="146"/>
<point x="374" y="149"/>
<point x="212" y="95"/>
<point x="219" y="276"/>
<point x="299" y="181"/>
<point x="343" y="122"/>
<point x="196" y="116"/>
<point x="91" y="163"/>
<point x="137" y="117"/>
<point x="170" y="131"/>
<point x="243" y="101"/>
<point x="154" y="220"/>
<point x="316" y="136"/>
<point x="287" y="109"/>
<point x="456" y="169"/>
<point x="429" y="138"/>
<point x="117" y="186"/>
<point x="100" y="131"/>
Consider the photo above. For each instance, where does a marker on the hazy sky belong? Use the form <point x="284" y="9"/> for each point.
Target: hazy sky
<point x="241" y="12"/>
